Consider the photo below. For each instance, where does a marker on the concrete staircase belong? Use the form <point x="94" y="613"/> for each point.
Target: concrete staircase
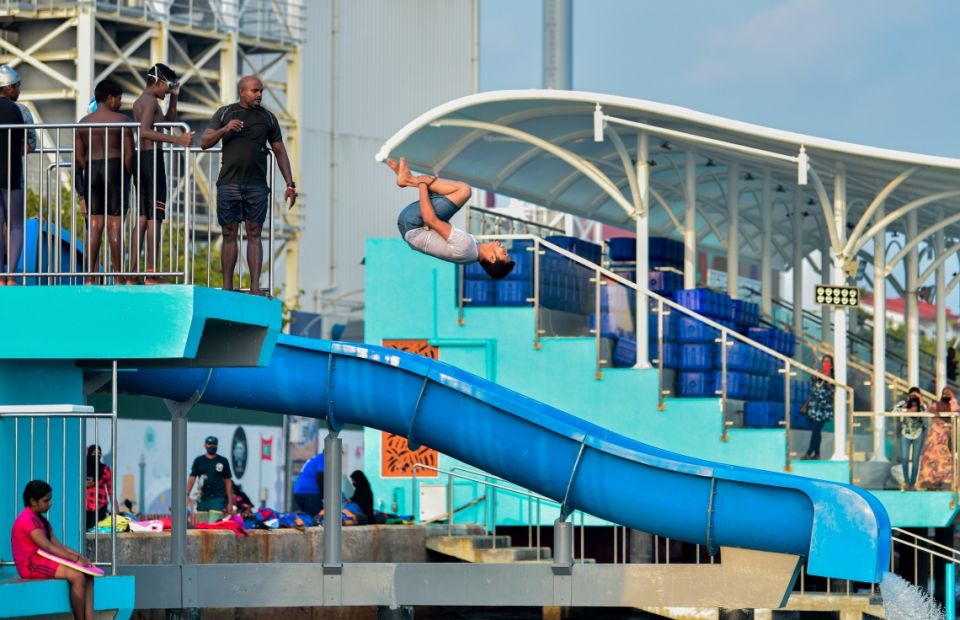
<point x="485" y="549"/>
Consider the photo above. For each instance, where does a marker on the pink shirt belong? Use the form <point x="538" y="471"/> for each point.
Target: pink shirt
<point x="23" y="547"/>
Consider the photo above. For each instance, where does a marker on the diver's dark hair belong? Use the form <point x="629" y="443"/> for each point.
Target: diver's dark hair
<point x="498" y="269"/>
<point x="107" y="88"/>
<point x="35" y="490"/>
<point x="159" y="72"/>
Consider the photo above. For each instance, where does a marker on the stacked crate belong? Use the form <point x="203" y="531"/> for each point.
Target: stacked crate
<point x="516" y="289"/>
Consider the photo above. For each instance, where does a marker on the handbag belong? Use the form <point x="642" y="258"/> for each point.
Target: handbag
<point x="805" y="407"/>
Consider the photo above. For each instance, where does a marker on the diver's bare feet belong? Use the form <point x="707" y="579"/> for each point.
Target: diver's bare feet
<point x="403" y="172"/>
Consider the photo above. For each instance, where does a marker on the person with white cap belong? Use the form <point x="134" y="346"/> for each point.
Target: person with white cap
<point x="10" y="88"/>
<point x="12" y="205"/>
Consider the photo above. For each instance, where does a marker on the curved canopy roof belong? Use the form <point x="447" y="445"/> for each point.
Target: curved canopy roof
<point x="538" y="146"/>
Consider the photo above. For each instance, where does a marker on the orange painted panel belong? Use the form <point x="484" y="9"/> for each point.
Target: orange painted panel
<point x="396" y="457"/>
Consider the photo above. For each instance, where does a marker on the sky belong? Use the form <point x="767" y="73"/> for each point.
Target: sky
<point x="875" y="72"/>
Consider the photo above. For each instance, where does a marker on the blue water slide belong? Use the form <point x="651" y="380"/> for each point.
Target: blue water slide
<point x="844" y="532"/>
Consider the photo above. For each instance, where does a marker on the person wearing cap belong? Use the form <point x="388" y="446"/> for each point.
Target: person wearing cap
<point x="151" y="173"/>
<point x="10" y="89"/>
<point x="243" y="195"/>
<point x="216" y="484"/>
<point x="12" y="204"/>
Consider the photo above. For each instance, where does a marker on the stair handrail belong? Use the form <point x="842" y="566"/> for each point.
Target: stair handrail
<point x="490" y="526"/>
<point x="940" y="550"/>
<point x="664" y="306"/>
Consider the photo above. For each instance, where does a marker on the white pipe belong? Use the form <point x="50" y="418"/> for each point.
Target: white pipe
<point x="642" y="220"/>
<point x="941" y="278"/>
<point x="766" y="247"/>
<point x="733" y="232"/>
<point x="879" y="381"/>
<point x="912" y="317"/>
<point x="796" y="218"/>
<point x="690" y="222"/>
<point x="840" y="319"/>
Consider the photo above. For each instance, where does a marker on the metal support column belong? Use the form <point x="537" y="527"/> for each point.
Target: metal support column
<point x="941" y="299"/>
<point x="879" y="382"/>
<point x="178" y="479"/>
<point x="826" y="276"/>
<point x="840" y="319"/>
<point x="766" y="248"/>
<point x="690" y="222"/>
<point x="796" y="219"/>
<point x="332" y="526"/>
<point x="86" y="69"/>
<point x="733" y="231"/>
<point x="562" y="547"/>
<point x="912" y="318"/>
<point x="557" y="44"/>
<point x="642" y="222"/>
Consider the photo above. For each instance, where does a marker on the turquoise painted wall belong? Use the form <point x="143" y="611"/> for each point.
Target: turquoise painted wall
<point x="413" y="296"/>
<point x="47" y="449"/>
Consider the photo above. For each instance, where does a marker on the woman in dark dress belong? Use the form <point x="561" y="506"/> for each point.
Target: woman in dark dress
<point x="820" y="406"/>
<point x="362" y="495"/>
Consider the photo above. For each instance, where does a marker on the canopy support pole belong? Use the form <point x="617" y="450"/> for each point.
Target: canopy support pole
<point x="733" y="232"/>
<point x="839" y="223"/>
<point x="690" y="222"/>
<point x="879" y="379"/>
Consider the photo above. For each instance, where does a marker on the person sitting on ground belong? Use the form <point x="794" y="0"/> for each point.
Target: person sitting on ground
<point x="102" y="178"/>
<point x="425" y="224"/>
<point x="308" y="487"/>
<point x="362" y="496"/>
<point x="31" y="533"/>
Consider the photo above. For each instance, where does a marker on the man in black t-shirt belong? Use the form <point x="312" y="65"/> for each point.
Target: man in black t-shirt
<point x="216" y="486"/>
<point x="11" y="183"/>
<point x="243" y="195"/>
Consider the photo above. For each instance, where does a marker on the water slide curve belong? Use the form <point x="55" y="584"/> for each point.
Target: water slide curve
<point x="844" y="532"/>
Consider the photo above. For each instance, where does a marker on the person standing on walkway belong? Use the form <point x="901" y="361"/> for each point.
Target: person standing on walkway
<point x="104" y="160"/>
<point x="12" y="198"/>
<point x="151" y="172"/>
<point x="936" y="462"/>
<point x="243" y="195"/>
<point x="216" y="484"/>
<point x="913" y="431"/>
<point x="820" y="407"/>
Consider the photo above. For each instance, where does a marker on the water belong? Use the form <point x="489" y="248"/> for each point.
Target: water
<point x="902" y="601"/>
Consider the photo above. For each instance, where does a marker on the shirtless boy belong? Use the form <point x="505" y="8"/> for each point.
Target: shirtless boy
<point x="104" y="159"/>
<point x="151" y="173"/>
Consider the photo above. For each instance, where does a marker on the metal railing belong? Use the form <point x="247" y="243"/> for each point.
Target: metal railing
<point x="480" y="221"/>
<point x="953" y="419"/>
<point x="534" y="502"/>
<point x="591" y="303"/>
<point x="64" y="230"/>
<point x="280" y="21"/>
<point x="45" y="444"/>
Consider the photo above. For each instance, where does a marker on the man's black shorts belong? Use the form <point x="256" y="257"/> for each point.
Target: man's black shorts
<point x="107" y="185"/>
<point x="152" y="184"/>
<point x="242" y="203"/>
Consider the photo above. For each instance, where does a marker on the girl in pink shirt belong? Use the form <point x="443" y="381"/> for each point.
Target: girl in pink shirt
<point x="32" y="532"/>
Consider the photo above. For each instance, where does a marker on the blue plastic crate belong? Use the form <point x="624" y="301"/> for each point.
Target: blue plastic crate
<point x="697" y="357"/>
<point x="665" y="282"/>
<point x="762" y="414"/>
<point x="522" y="256"/>
<point x="473" y="271"/>
<point x="691" y="330"/>
<point x="479" y="292"/>
<point x="740" y="357"/>
<point x="622" y="248"/>
<point x="670" y="326"/>
<point x="695" y="384"/>
<point x="744" y="386"/>
<point x="745" y="313"/>
<point x="513" y="292"/>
